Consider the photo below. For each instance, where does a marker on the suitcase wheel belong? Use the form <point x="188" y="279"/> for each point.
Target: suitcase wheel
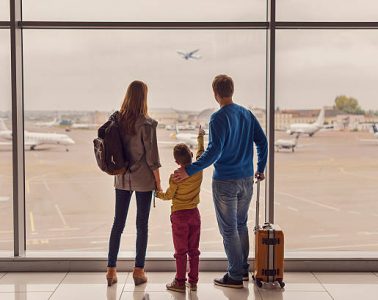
<point x="281" y="283"/>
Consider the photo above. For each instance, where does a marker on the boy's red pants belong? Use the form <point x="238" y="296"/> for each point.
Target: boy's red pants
<point x="186" y="228"/>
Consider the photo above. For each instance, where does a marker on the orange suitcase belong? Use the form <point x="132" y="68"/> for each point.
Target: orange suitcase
<point x="269" y="251"/>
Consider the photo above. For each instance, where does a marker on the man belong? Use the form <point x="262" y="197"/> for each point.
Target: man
<point x="232" y="132"/>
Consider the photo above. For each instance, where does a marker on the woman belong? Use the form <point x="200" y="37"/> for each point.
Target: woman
<point x="140" y="146"/>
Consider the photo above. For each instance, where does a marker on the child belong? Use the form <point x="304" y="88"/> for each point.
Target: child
<point x="185" y="218"/>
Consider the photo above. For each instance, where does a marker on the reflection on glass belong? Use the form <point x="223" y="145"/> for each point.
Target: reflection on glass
<point x="6" y="202"/>
<point x="326" y="98"/>
<point x="75" y="79"/>
<point x="327" y="10"/>
<point x="145" y="10"/>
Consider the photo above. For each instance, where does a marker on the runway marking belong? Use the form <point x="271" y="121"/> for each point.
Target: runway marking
<point x="46" y="185"/>
<point x="353" y="212"/>
<point x="60" y="215"/>
<point x="342" y="170"/>
<point x="32" y="225"/>
<point x="100" y="242"/>
<point x="320" y="236"/>
<point x="293" y="209"/>
<point x="337" y="247"/>
<point x="367" y="233"/>
<point x="64" y="229"/>
<point x="310" y="201"/>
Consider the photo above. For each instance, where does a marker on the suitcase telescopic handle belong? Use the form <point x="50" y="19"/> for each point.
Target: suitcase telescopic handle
<point x="257" y="205"/>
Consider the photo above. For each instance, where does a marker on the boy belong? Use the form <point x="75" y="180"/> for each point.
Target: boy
<point x="185" y="218"/>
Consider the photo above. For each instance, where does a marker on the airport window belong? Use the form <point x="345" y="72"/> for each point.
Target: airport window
<point x="6" y="223"/>
<point x="327" y="186"/>
<point x="69" y="201"/>
<point x="145" y="10"/>
<point x="327" y="10"/>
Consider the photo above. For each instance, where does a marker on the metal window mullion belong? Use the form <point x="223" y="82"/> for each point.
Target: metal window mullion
<point x="18" y="156"/>
<point x="270" y="110"/>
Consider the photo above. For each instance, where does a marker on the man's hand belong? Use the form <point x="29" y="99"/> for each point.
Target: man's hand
<point x="259" y="176"/>
<point x="180" y="174"/>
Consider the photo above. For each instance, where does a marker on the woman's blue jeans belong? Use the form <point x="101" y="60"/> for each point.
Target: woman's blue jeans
<point x="143" y="201"/>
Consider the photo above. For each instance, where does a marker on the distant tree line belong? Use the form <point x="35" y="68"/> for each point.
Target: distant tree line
<point x="348" y="105"/>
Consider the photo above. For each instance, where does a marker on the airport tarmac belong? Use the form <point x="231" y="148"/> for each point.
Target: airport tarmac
<point x="325" y="198"/>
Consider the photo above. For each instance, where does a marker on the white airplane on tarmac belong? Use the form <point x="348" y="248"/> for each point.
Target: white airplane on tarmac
<point x="286" y="144"/>
<point x="306" y="128"/>
<point x="189" y="55"/>
<point x="188" y="138"/>
<point x="34" y="139"/>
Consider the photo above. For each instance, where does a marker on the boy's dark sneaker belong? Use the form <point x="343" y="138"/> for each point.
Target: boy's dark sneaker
<point x="192" y="286"/>
<point x="246" y="277"/>
<point x="227" y="281"/>
<point x="175" y="286"/>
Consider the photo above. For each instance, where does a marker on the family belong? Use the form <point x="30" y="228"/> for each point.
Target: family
<point x="233" y="130"/>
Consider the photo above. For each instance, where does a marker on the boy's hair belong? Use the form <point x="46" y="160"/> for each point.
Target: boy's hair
<point x="223" y="86"/>
<point x="182" y="154"/>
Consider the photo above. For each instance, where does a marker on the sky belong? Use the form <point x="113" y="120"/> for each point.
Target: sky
<point x="90" y="70"/>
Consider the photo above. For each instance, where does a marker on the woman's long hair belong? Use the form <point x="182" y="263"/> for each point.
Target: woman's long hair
<point x="134" y="105"/>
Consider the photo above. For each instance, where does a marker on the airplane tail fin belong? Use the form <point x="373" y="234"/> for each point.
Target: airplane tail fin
<point x="375" y="128"/>
<point x="3" y="127"/>
<point x="320" y="120"/>
<point x="177" y="129"/>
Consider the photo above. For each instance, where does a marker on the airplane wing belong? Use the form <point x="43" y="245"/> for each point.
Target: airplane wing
<point x="192" y="52"/>
<point x="181" y="53"/>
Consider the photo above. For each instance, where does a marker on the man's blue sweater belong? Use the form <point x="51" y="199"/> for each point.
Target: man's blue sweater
<point x="232" y="131"/>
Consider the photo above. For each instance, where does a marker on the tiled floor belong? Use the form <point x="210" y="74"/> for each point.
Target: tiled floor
<point x="71" y="286"/>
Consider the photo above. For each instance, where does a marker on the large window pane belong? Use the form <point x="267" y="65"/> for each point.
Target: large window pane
<point x="145" y="10"/>
<point x="4" y="10"/>
<point x="6" y="223"/>
<point x="327" y="10"/>
<point x="326" y="191"/>
<point x="80" y="77"/>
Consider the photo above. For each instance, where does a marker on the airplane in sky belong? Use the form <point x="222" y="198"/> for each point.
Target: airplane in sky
<point x="34" y="139"/>
<point x="286" y="144"/>
<point x="189" y="55"/>
<point x="306" y="128"/>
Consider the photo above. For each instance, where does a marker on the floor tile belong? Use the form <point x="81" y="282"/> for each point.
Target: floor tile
<point x="89" y="286"/>
<point x="294" y="295"/>
<point x="350" y="286"/>
<point x="30" y="282"/>
<point x="300" y="281"/>
<point x="26" y="296"/>
<point x="156" y="282"/>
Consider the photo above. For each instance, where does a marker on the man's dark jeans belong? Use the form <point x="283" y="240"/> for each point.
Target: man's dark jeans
<point x="143" y="200"/>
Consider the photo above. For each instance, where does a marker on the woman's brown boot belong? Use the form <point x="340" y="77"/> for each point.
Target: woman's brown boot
<point x="111" y="276"/>
<point x="139" y="276"/>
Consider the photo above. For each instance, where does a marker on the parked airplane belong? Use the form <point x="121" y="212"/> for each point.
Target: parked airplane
<point x="375" y="130"/>
<point x="183" y="137"/>
<point x="189" y="55"/>
<point x="54" y="122"/>
<point x="306" y="128"/>
<point x="286" y="144"/>
<point x="34" y="139"/>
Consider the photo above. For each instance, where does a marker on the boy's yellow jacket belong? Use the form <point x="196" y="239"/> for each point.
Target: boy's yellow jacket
<point x="185" y="194"/>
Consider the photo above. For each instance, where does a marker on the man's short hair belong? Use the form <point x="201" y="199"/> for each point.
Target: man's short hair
<point x="182" y="154"/>
<point x="223" y="86"/>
